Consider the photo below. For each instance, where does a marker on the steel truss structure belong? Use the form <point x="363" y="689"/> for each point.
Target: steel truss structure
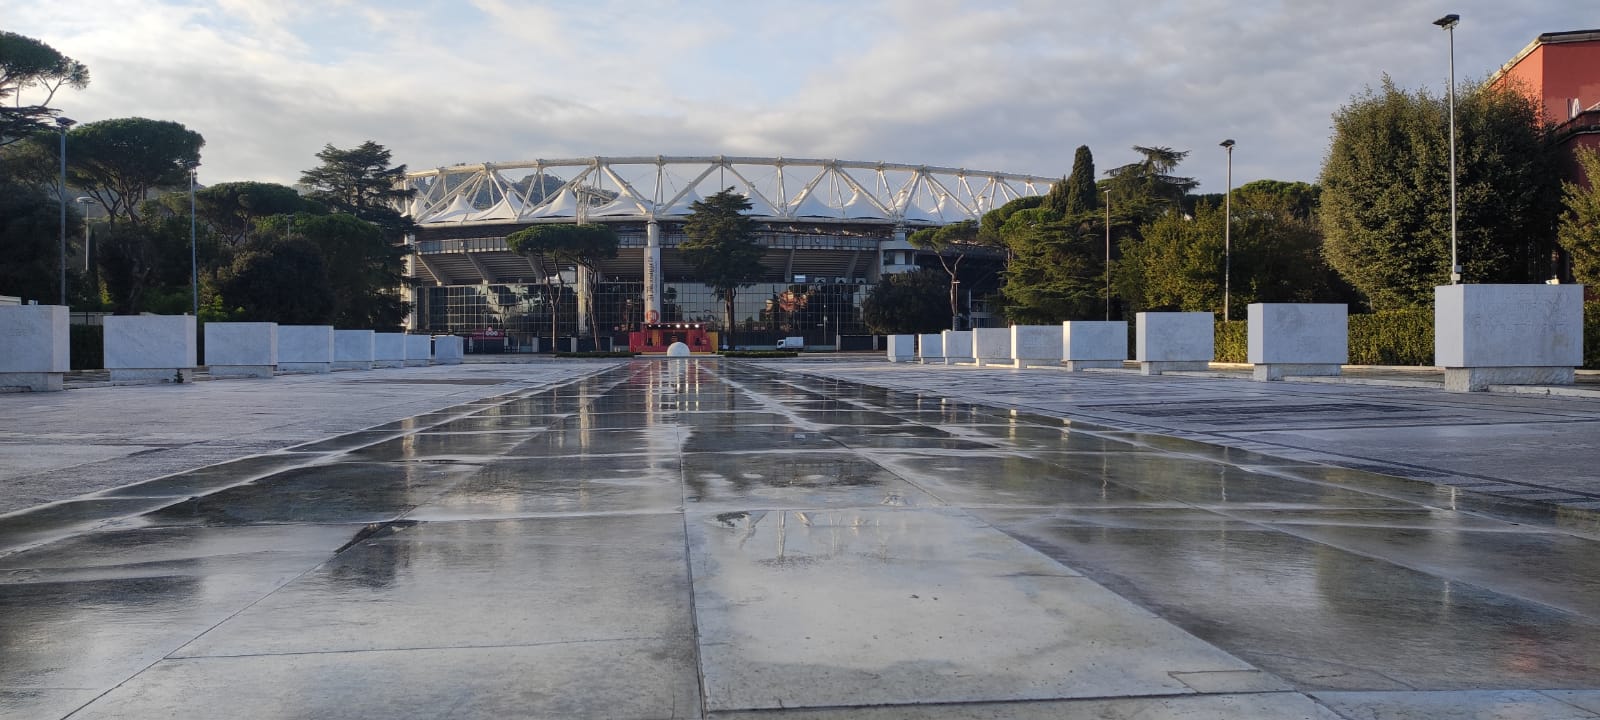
<point x="661" y="188"/>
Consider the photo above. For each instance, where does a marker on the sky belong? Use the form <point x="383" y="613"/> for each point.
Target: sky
<point x="999" y="85"/>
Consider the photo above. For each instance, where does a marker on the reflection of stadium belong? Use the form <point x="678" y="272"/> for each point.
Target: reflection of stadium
<point x="831" y="228"/>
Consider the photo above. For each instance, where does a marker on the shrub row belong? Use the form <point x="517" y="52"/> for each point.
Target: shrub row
<point x="760" y="353"/>
<point x="1395" y="337"/>
<point x="596" y="354"/>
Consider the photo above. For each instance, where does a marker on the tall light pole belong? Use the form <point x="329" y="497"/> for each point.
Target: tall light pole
<point x="194" y="264"/>
<point x="85" y="201"/>
<point x="1448" y="22"/>
<point x="63" y="124"/>
<point x="1227" y="234"/>
<point x="1108" y="255"/>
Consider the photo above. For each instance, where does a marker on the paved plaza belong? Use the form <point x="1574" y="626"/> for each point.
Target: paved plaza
<point x="709" y="538"/>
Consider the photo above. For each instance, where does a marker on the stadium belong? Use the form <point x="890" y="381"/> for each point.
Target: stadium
<point x="831" y="228"/>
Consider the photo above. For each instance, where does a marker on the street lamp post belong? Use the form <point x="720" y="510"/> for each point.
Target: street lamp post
<point x="1448" y="22"/>
<point x="1108" y="255"/>
<point x="63" y="124"/>
<point x="85" y="201"/>
<point x="194" y="264"/>
<point x="1227" y="234"/>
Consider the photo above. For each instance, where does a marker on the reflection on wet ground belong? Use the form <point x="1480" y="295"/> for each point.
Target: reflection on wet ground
<point x="692" y="538"/>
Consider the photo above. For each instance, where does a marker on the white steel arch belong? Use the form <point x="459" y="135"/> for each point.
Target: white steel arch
<point x="660" y="188"/>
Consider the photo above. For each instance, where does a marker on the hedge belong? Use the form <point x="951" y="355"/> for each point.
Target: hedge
<point x="760" y="353"/>
<point x="1396" y="337"/>
<point x="596" y="354"/>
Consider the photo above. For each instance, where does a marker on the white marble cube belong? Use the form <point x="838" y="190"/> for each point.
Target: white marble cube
<point x="419" y="350"/>
<point x="448" y="349"/>
<point x="353" y="349"/>
<point x="957" y="346"/>
<point x="34" y="346"/>
<point x="1036" y="345"/>
<point x="991" y="346"/>
<point x="1507" y="334"/>
<point x="388" y="350"/>
<point x="241" y="349"/>
<point x="305" y="348"/>
<point x="1174" y="341"/>
<point x="902" y="348"/>
<point x="150" y="348"/>
<point x="1297" y="339"/>
<point x="930" y="348"/>
<point x="1094" y="343"/>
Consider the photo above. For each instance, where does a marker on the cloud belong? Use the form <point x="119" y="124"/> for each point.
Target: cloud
<point x="993" y="85"/>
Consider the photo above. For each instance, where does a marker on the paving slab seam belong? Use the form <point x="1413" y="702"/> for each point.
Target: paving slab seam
<point x="1214" y="439"/>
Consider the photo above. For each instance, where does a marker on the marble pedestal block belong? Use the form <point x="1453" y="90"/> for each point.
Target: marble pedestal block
<point x="1297" y="339"/>
<point x="1089" y="344"/>
<point x="241" y="349"/>
<point x="448" y="349"/>
<point x="419" y="350"/>
<point x="1174" y="341"/>
<point x="34" y="347"/>
<point x="930" y="349"/>
<point x="1507" y="334"/>
<point x="1036" y="345"/>
<point x="957" y="346"/>
<point x="150" y="348"/>
<point x="353" y="349"/>
<point x="991" y="346"/>
<point x="305" y="348"/>
<point x="388" y="350"/>
<point x="902" y="348"/>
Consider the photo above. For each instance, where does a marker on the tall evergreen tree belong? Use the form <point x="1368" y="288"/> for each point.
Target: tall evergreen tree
<point x="1386" y="192"/>
<point x="1082" y="195"/>
<point x="360" y="181"/>
<point x="722" y="248"/>
<point x="1580" y="225"/>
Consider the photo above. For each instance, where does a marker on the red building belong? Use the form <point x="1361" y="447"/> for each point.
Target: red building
<point x="1562" y="71"/>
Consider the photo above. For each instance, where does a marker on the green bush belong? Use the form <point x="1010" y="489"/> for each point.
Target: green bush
<point x="1231" y="339"/>
<point x="1591" y="335"/>
<point x="87" y="345"/>
<point x="760" y="353"/>
<point x="1392" y="337"/>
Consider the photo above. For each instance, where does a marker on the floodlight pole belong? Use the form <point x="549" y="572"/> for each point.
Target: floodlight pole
<point x="1227" y="234"/>
<point x="63" y="124"/>
<point x="1449" y="22"/>
<point x="194" y="265"/>
<point x="1108" y="255"/>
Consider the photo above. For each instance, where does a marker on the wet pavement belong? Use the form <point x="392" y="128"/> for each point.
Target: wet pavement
<point x="737" y="540"/>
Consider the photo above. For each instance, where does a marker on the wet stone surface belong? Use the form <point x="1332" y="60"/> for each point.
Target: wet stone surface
<point x="716" y="539"/>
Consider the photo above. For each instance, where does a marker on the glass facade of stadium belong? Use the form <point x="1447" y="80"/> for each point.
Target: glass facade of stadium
<point x="470" y="284"/>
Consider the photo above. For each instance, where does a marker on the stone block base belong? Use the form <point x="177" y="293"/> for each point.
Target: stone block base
<point x="35" y="381"/>
<point x="388" y="363"/>
<point x="1156" y="367"/>
<point x="240" y="371"/>
<point x="1077" y="365"/>
<point x="934" y="361"/>
<point x="307" y="368"/>
<point x="447" y="361"/>
<point x="1480" y="378"/>
<point x="352" y="365"/>
<point x="416" y="363"/>
<point x="146" y="376"/>
<point x="1263" y="372"/>
<point x="994" y="362"/>
<point x="902" y="358"/>
<point x="1038" y="362"/>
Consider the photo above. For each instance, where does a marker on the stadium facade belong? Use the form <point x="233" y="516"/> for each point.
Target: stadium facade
<point x="831" y="228"/>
